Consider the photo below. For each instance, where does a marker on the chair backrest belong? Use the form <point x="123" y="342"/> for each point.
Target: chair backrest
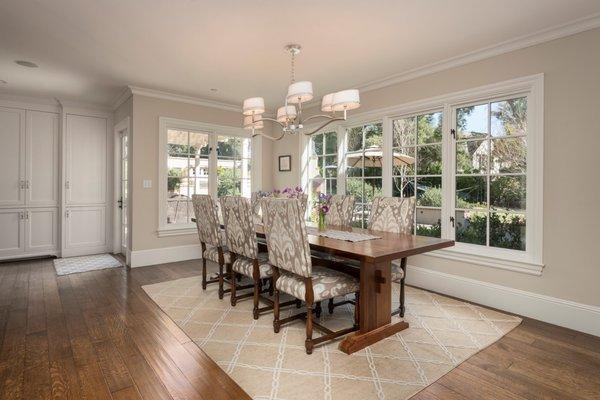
<point x="287" y="239"/>
<point x="303" y="202"/>
<point x="340" y="210"/>
<point x="255" y="201"/>
<point x="239" y="226"/>
<point x="207" y="219"/>
<point x="393" y="214"/>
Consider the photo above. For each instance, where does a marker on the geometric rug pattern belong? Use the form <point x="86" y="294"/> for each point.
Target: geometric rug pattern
<point x="73" y="265"/>
<point x="443" y="333"/>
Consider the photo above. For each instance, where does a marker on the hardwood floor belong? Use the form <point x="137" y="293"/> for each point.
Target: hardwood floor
<point x="97" y="335"/>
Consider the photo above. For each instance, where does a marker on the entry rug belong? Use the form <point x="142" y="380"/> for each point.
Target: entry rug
<point x="73" y="265"/>
<point x="443" y="333"/>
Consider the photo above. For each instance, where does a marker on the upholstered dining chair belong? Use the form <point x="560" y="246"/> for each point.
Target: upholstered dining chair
<point x="394" y="214"/>
<point x="293" y="272"/>
<point x="340" y="210"/>
<point x="245" y="257"/>
<point x="212" y="241"/>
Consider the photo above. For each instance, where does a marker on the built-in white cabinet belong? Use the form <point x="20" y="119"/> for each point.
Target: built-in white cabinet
<point x="42" y="173"/>
<point x="12" y="157"/>
<point x="85" y="229"/>
<point x="41" y="230"/>
<point x="12" y="234"/>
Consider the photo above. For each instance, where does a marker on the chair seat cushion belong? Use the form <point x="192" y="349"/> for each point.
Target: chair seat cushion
<point x="212" y="253"/>
<point x="327" y="284"/>
<point x="245" y="266"/>
<point x="397" y="272"/>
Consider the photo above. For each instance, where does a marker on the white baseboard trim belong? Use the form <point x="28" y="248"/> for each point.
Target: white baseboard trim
<point x="142" y="258"/>
<point x="572" y="315"/>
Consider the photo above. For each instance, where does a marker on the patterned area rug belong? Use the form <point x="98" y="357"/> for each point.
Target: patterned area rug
<point x="73" y="265"/>
<point x="443" y="333"/>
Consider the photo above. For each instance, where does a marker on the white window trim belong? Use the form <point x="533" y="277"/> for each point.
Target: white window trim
<point x="166" y="123"/>
<point x="528" y="262"/>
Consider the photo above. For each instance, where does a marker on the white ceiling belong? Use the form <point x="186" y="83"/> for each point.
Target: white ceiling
<point x="89" y="50"/>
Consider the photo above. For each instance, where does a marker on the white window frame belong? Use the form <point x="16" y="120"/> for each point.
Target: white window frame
<point x="213" y="131"/>
<point x="529" y="261"/>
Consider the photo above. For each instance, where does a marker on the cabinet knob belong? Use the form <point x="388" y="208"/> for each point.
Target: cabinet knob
<point x="67" y="185"/>
<point x="26" y="184"/>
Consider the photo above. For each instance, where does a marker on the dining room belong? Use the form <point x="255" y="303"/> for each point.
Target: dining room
<point x="318" y="200"/>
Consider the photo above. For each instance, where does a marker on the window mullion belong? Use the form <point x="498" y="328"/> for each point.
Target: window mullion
<point x="448" y="171"/>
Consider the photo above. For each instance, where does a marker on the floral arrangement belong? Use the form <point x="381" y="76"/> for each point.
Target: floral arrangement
<point x="321" y="206"/>
<point x="292" y="193"/>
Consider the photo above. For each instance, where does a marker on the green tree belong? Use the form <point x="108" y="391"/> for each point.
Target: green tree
<point x="228" y="184"/>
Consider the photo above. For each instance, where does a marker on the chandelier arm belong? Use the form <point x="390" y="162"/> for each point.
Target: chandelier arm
<point x="324" y="125"/>
<point x="319" y="116"/>
<point x="254" y="134"/>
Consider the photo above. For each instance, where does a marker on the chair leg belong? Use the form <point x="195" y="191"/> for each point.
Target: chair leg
<point x="276" y="324"/>
<point x="271" y="287"/>
<point x="233" y="287"/>
<point x="318" y="309"/>
<point x="330" y="306"/>
<point x="309" y="329"/>
<point x="221" y="292"/>
<point x="257" y="290"/>
<point x="403" y="266"/>
<point x="203" y="273"/>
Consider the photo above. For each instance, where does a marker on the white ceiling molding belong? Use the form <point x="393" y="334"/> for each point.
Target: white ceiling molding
<point x="545" y="35"/>
<point x="159" y="94"/>
<point x="121" y="98"/>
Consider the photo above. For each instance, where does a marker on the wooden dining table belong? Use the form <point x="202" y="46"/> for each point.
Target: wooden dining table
<point x="375" y="258"/>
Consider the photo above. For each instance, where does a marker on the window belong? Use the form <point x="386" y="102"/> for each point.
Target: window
<point x="473" y="159"/>
<point x="364" y="170"/>
<point x="490" y="173"/>
<point x="417" y="168"/>
<point x="198" y="159"/>
<point x="322" y="166"/>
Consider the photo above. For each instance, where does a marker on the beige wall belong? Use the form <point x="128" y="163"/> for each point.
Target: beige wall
<point x="289" y="145"/>
<point x="571" y="144"/>
<point x="145" y="163"/>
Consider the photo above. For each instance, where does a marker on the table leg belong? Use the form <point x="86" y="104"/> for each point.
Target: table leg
<point x="375" y="309"/>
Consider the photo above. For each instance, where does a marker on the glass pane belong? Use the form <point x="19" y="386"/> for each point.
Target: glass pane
<point x="320" y="161"/>
<point x="227" y="177"/>
<point x="173" y="185"/>
<point x="228" y="146"/>
<point x="429" y="160"/>
<point x="317" y="144"/>
<point x="198" y="166"/>
<point x="507" y="192"/>
<point x="471" y="192"/>
<point x="331" y="166"/>
<point x="202" y="186"/>
<point x="507" y="230"/>
<point x="508" y="155"/>
<point x="404" y="132"/>
<point x="313" y="168"/>
<point x="429" y="222"/>
<point x="331" y="186"/>
<point x="472" y="122"/>
<point x="471" y="227"/>
<point x="509" y="118"/>
<point x="357" y="216"/>
<point x="429" y="192"/>
<point x="372" y="189"/>
<point x="365" y="215"/>
<point x="315" y="186"/>
<point x="331" y="142"/>
<point x="198" y="143"/>
<point x="177" y="143"/>
<point x="246" y="188"/>
<point x="374" y="135"/>
<point x="404" y="161"/>
<point x="429" y="128"/>
<point x="229" y="187"/>
<point x="355" y="139"/>
<point x="177" y="212"/>
<point x="354" y="186"/>
<point x="403" y="187"/>
<point x="354" y="162"/>
<point x="472" y="157"/>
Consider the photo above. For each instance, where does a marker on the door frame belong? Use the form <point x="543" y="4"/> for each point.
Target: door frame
<point x="122" y="127"/>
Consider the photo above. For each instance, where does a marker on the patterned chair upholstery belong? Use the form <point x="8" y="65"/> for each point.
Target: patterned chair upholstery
<point x="211" y="237"/>
<point x="394" y="214"/>
<point x="289" y="252"/>
<point x="340" y="210"/>
<point x="242" y="244"/>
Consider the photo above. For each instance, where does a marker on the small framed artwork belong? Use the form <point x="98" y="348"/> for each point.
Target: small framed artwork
<point x="285" y="163"/>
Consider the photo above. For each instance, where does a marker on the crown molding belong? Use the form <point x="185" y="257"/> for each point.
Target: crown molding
<point x="121" y="98"/>
<point x="542" y="36"/>
<point x="159" y="94"/>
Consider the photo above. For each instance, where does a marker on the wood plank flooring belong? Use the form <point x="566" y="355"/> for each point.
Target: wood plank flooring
<point x="96" y="335"/>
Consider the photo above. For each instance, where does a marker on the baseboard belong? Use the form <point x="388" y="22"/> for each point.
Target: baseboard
<point x="142" y="258"/>
<point x="569" y="314"/>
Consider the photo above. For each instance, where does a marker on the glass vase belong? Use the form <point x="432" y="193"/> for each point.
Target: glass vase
<point x="321" y="221"/>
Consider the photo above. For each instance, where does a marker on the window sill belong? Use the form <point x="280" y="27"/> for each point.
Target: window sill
<point x="499" y="258"/>
<point x="177" y="231"/>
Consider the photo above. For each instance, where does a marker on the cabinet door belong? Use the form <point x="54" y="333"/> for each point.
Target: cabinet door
<point x="12" y="157"/>
<point x="41" y="232"/>
<point x="42" y="159"/>
<point x="85" y="229"/>
<point x="12" y="235"/>
<point x="85" y="160"/>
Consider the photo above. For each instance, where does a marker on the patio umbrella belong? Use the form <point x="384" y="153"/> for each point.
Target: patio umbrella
<point x="374" y="156"/>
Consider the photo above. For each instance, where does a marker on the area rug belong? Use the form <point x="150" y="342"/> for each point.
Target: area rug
<point x="73" y="265"/>
<point x="443" y="333"/>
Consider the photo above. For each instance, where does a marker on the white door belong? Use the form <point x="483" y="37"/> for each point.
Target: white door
<point x="85" y="160"/>
<point x="41" y="232"/>
<point x="123" y="201"/>
<point x="42" y="159"/>
<point x="85" y="231"/>
<point x="12" y="234"/>
<point x="12" y="157"/>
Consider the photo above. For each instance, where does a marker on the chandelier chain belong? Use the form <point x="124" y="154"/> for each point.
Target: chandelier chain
<point x="293" y="77"/>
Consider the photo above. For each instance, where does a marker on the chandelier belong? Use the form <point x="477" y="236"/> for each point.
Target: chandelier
<point x="289" y="116"/>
